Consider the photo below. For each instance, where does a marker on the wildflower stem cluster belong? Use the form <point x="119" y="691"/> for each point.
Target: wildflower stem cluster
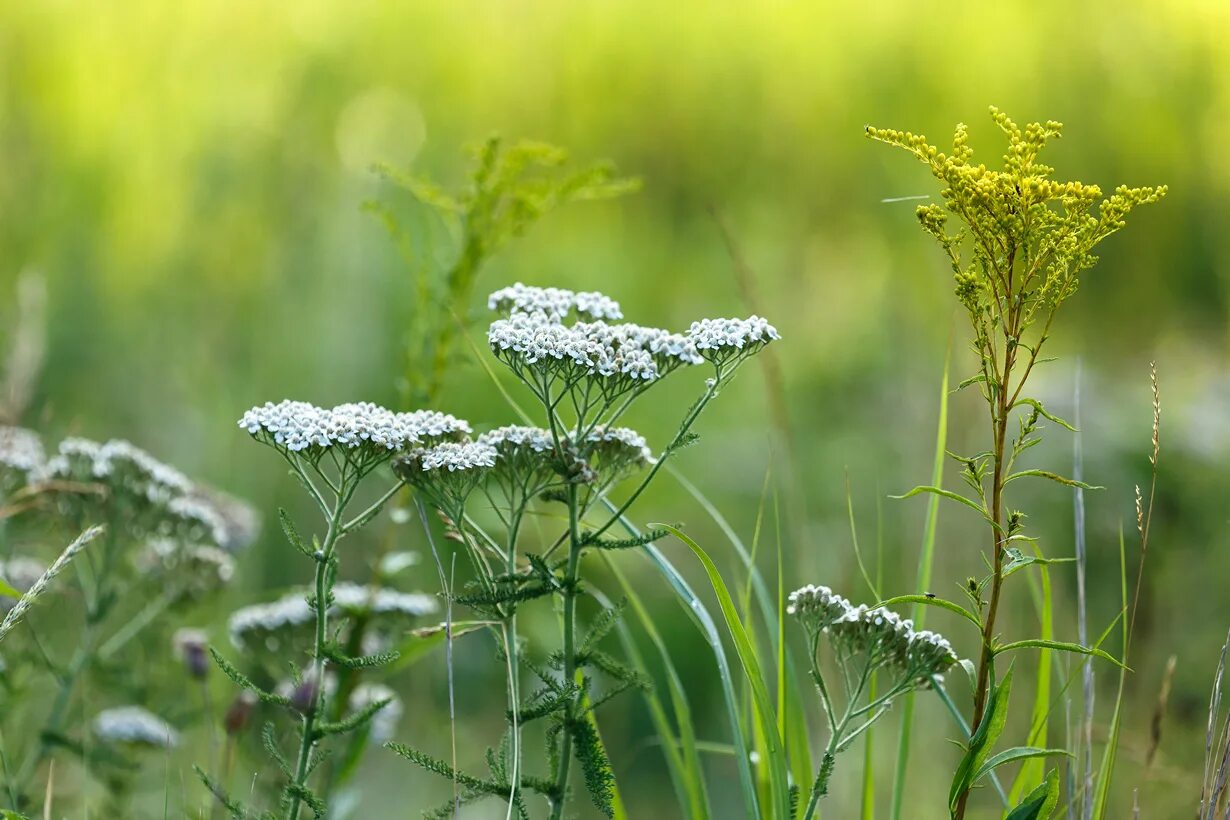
<point x="586" y="369"/>
<point x="1022" y="242"/>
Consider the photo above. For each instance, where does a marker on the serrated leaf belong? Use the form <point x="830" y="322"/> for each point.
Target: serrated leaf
<point x="292" y="534"/>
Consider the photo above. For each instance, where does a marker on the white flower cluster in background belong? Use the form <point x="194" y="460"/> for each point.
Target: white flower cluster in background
<point x="189" y="571"/>
<point x="119" y="465"/>
<point x="882" y="635"/>
<point x="554" y="303"/>
<point x="291" y="617"/>
<point x="297" y="426"/>
<point x="383" y="724"/>
<point x="21" y="453"/>
<point x="132" y="725"/>
<point x="154" y="498"/>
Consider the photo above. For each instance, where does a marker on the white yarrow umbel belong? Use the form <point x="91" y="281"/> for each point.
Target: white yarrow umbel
<point x="134" y="726"/>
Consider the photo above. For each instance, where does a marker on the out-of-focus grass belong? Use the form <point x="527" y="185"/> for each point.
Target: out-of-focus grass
<point x="188" y="177"/>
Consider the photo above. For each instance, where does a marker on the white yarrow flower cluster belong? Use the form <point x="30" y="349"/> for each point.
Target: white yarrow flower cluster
<point x="885" y="637"/>
<point x="297" y="426"/>
<point x="719" y="340"/>
<point x="356" y="600"/>
<point x="292" y="617"/>
<point x="192" y="571"/>
<point x="514" y="438"/>
<point x="21" y="453"/>
<point x="457" y="457"/>
<point x="121" y="466"/>
<point x="156" y="498"/>
<point x="554" y="303"/>
<point x="132" y="725"/>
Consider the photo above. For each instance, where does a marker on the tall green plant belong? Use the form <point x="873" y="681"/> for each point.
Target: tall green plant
<point x="1022" y="242"/>
<point x="510" y="187"/>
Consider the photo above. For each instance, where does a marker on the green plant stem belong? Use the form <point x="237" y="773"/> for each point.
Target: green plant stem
<point x="688" y="421"/>
<point x="570" y="660"/>
<point x="511" y="652"/>
<point x="96" y="610"/>
<point x="1001" y="406"/>
<point x="318" y="658"/>
<point x="134" y="627"/>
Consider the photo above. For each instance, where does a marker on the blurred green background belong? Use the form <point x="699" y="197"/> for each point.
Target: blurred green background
<point x="189" y="178"/>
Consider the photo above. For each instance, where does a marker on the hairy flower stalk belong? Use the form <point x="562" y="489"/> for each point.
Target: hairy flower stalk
<point x="586" y="373"/>
<point x="1024" y="240"/>
<point x="332" y="451"/>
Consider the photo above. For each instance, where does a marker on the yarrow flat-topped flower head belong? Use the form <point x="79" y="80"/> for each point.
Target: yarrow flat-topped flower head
<point x="154" y="498"/>
<point x="291" y="617"/>
<point x="554" y="303"/>
<point x="724" y="340"/>
<point x="134" y="726"/>
<point x="359" y="430"/>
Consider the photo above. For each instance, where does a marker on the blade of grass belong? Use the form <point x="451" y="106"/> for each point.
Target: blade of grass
<point x="800" y="748"/>
<point x="681" y="749"/>
<point x="700" y="615"/>
<point x="775" y="759"/>
<point x="925" y="562"/>
<point x="1107" y="767"/>
<point x="1033" y="770"/>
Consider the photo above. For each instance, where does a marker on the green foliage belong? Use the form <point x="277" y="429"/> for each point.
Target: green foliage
<point x="510" y="188"/>
<point x="1021" y="243"/>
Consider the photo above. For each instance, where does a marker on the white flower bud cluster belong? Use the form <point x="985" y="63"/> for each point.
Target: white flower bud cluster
<point x="383" y="724"/>
<point x="133" y="725"/>
<point x="291" y="617"/>
<point x="298" y="426"/>
<point x="816" y="606"/>
<point x="21" y="454"/>
<point x="555" y="303"/>
<point x="198" y="519"/>
<point x="720" y="340"/>
<point x="156" y="498"/>
<point x="880" y="633"/>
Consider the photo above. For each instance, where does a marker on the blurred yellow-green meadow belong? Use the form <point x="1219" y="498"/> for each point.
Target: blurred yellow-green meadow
<point x="192" y="223"/>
